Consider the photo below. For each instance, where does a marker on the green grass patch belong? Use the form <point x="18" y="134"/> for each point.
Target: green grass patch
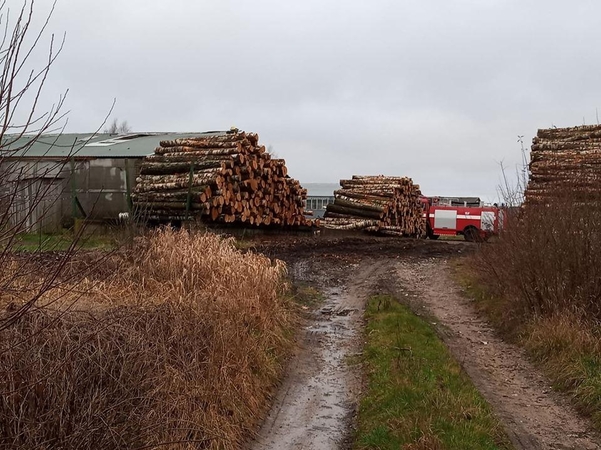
<point x="244" y="244"/>
<point x="417" y="395"/>
<point x="33" y="242"/>
<point x="306" y="296"/>
<point x="456" y="237"/>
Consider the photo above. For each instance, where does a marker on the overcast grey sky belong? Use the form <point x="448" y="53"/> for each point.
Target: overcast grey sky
<point x="436" y="90"/>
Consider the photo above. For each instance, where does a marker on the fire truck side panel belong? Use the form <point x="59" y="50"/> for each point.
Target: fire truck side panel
<point x="487" y="221"/>
<point x="445" y="219"/>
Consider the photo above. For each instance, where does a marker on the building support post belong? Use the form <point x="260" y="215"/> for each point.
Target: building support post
<point x="128" y="188"/>
<point x="73" y="190"/>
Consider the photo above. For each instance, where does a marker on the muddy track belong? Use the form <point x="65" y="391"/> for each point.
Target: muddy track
<point x="315" y="405"/>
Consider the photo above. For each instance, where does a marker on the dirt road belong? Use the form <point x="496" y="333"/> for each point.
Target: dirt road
<point x="533" y="416"/>
<point x="315" y="406"/>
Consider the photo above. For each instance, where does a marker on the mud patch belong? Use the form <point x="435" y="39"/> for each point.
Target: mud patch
<point x="316" y="404"/>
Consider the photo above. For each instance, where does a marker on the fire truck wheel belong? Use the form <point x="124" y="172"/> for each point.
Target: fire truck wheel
<point x="430" y="234"/>
<point x="471" y="234"/>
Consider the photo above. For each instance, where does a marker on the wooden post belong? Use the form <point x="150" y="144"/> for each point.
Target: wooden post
<point x="189" y="198"/>
<point x="74" y="200"/>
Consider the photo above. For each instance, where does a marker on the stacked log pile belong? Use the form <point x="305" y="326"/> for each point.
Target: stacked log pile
<point x="224" y="178"/>
<point x="565" y="162"/>
<point x="387" y="205"/>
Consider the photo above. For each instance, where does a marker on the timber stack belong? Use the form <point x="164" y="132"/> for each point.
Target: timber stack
<point x="565" y="161"/>
<point x="222" y="178"/>
<point x="386" y="205"/>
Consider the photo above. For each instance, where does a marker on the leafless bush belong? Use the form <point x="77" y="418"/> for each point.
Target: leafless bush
<point x="541" y="285"/>
<point x="25" y="190"/>
<point x="176" y="343"/>
<point x="548" y="259"/>
<point x="511" y="189"/>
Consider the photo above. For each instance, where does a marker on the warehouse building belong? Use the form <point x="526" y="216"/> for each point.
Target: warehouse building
<point x="50" y="181"/>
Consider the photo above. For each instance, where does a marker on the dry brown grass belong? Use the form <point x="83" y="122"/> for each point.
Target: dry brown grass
<point x="569" y="350"/>
<point x="178" y="344"/>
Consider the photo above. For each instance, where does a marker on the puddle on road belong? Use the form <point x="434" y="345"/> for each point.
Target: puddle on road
<point x="299" y="270"/>
<point x="313" y="411"/>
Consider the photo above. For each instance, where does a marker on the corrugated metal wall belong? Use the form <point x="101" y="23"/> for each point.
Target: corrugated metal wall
<point x="36" y="204"/>
<point x="44" y="196"/>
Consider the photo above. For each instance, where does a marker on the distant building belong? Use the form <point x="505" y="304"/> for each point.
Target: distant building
<point x="319" y="195"/>
<point x="56" y="178"/>
<point x="457" y="201"/>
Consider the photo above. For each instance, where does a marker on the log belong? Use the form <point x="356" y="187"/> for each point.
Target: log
<point x="150" y="168"/>
<point x="359" y="212"/>
<point x="378" y="209"/>
<point x="348" y="225"/>
<point x="367" y="202"/>
<point x="207" y="174"/>
<point x="207" y="141"/>
<point x="180" y="206"/>
<point x="175" y="195"/>
<point x="195" y="156"/>
<point x="175" y="185"/>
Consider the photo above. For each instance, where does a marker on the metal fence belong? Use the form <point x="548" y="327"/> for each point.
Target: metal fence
<point x="317" y="203"/>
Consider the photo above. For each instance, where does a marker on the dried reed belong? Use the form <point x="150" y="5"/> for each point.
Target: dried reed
<point x="178" y="346"/>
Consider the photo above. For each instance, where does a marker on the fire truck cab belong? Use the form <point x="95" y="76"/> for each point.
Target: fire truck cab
<point x="474" y="223"/>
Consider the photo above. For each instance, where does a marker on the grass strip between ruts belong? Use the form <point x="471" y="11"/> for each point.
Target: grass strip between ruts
<point x="417" y="396"/>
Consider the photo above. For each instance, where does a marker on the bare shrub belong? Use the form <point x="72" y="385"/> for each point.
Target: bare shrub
<point x="176" y="343"/>
<point x="548" y="259"/>
<point x="30" y="188"/>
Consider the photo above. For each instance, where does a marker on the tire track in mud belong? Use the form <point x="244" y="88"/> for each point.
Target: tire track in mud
<point x="315" y="405"/>
<point x="534" y="417"/>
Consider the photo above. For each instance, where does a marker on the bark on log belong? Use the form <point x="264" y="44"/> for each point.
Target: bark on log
<point x="348" y="225"/>
<point x="366" y="205"/>
<point x="354" y="211"/>
<point x="207" y="141"/>
<point x="150" y="168"/>
<point x="179" y="184"/>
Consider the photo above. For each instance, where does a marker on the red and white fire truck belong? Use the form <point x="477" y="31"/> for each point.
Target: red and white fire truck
<point x="474" y="223"/>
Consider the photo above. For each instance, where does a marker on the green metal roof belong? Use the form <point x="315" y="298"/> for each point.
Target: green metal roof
<point x="89" y="145"/>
